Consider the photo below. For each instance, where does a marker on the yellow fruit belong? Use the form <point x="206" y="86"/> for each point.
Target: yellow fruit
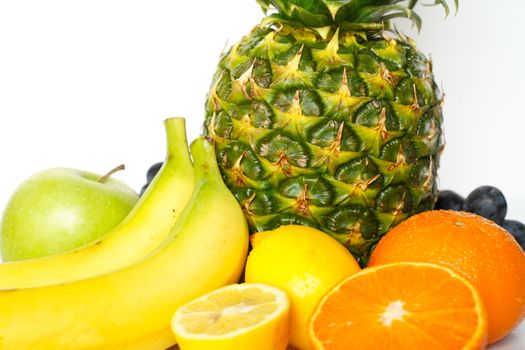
<point x="304" y="262"/>
<point x="238" y="316"/>
<point x="131" y="308"/>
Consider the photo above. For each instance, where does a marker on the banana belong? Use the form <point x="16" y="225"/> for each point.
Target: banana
<point x="140" y="233"/>
<point x="131" y="308"/>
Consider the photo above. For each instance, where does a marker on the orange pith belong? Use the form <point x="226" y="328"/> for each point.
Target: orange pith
<point x="400" y="306"/>
<point x="476" y="248"/>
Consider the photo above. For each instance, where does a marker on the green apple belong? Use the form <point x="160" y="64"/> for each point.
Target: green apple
<point x="61" y="209"/>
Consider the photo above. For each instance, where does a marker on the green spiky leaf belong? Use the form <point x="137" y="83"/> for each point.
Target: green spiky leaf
<point x="313" y="19"/>
<point x="335" y="5"/>
<point x="349" y="13"/>
<point x="265" y="4"/>
<point x="386" y="13"/>
<point x="445" y="5"/>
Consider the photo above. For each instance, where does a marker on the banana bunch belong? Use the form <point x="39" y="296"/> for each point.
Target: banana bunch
<point x="131" y="308"/>
<point x="143" y="230"/>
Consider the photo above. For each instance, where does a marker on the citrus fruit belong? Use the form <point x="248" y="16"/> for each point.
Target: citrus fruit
<point x="476" y="248"/>
<point x="409" y="306"/>
<point x="238" y="316"/>
<point x="302" y="261"/>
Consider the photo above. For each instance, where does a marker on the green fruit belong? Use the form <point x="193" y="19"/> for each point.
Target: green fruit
<point x="324" y="117"/>
<point x="60" y="209"/>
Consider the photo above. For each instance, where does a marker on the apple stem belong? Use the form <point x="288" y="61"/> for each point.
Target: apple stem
<point x="105" y="178"/>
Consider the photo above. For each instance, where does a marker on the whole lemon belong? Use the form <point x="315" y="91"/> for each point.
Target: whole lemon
<point x="304" y="262"/>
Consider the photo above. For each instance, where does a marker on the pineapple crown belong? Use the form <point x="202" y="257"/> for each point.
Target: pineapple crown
<point x="352" y="14"/>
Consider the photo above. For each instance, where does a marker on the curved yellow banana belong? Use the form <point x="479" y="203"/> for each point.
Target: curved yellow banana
<point x="143" y="230"/>
<point x="132" y="308"/>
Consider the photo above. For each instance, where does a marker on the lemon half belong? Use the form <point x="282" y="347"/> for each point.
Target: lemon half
<point x="240" y="316"/>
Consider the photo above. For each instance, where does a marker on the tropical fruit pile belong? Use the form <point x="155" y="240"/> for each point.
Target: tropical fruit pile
<point x="304" y="217"/>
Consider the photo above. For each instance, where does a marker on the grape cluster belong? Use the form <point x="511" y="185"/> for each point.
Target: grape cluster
<point x="486" y="201"/>
<point x="150" y="175"/>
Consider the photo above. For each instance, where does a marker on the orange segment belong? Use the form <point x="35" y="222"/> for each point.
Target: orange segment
<point x="400" y="306"/>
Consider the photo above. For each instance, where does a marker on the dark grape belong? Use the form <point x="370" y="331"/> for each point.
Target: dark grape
<point x="517" y="229"/>
<point x="487" y="201"/>
<point x="150" y="175"/>
<point x="449" y="200"/>
<point x="152" y="171"/>
<point x="143" y="189"/>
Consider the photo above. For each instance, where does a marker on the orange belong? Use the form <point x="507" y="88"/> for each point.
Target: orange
<point x="408" y="306"/>
<point x="476" y="248"/>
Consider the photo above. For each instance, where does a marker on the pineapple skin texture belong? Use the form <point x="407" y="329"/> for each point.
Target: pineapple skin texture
<point x="327" y="129"/>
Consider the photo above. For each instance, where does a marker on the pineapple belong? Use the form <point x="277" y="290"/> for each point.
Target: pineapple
<point x="325" y="116"/>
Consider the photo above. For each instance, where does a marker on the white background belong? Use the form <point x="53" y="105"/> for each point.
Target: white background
<point x="86" y="84"/>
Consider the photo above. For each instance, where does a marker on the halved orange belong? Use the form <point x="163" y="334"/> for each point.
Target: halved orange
<point x="400" y="306"/>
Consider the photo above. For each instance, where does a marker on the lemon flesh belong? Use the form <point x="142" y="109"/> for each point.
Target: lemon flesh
<point x="238" y="316"/>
